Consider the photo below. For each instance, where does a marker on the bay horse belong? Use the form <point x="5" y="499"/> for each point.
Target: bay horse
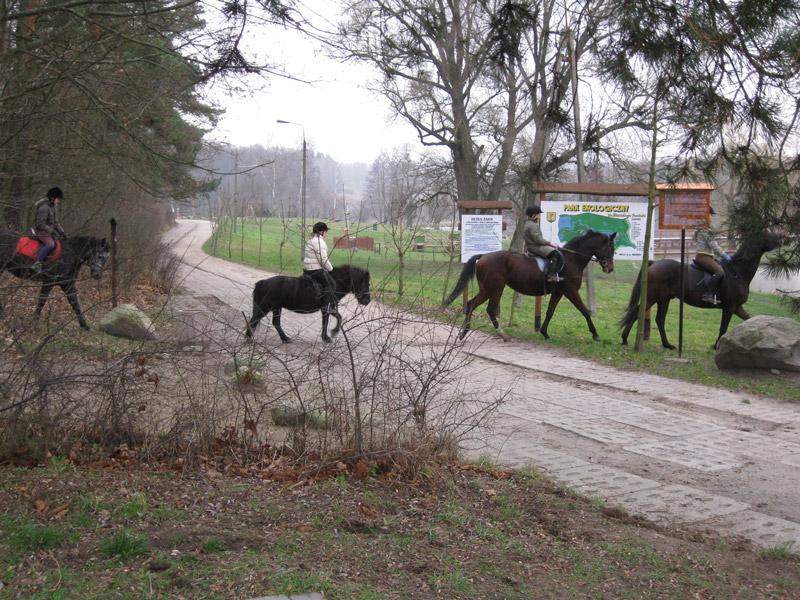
<point x="496" y="270"/>
<point x="60" y="269"/>
<point x="300" y="294"/>
<point x="663" y="284"/>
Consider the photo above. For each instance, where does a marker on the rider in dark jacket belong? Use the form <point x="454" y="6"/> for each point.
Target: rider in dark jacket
<point x="536" y="245"/>
<point x="46" y="223"/>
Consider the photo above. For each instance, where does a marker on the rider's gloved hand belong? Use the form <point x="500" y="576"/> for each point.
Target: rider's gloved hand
<point x="726" y="257"/>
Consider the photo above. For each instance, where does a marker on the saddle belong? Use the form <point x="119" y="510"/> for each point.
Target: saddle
<point x="549" y="286"/>
<point x="29" y="246"/>
<point x="319" y="291"/>
<point x="700" y="279"/>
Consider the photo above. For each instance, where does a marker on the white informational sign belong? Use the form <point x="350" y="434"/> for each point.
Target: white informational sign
<point x="480" y="234"/>
<point x="562" y="221"/>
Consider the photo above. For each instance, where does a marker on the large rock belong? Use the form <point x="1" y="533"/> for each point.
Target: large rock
<point x="127" y="321"/>
<point x="761" y="342"/>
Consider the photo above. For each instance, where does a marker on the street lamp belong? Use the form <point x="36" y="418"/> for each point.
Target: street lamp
<point x="302" y="187"/>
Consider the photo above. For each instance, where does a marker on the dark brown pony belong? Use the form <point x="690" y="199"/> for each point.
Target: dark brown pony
<point x="496" y="270"/>
<point x="663" y="284"/>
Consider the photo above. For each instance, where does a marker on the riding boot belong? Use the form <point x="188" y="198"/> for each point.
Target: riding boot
<point x="552" y="276"/>
<point x="711" y="296"/>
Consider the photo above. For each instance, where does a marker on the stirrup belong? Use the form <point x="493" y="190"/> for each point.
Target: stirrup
<point x="710" y="298"/>
<point x="554" y="278"/>
<point x="37" y="266"/>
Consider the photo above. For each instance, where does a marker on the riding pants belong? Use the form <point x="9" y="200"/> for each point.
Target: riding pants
<point x="707" y="263"/>
<point x="322" y="277"/>
<point x="47" y="245"/>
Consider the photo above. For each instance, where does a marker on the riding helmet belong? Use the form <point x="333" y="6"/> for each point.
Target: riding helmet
<point x="533" y="210"/>
<point x="55" y="192"/>
<point x="319" y="226"/>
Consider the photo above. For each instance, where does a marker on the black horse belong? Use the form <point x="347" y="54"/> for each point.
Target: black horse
<point x="496" y="270"/>
<point x="300" y="294"/>
<point x="663" y="284"/>
<point x="62" y="271"/>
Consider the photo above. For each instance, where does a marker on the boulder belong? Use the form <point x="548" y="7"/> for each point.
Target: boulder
<point x="127" y="321"/>
<point x="761" y="342"/>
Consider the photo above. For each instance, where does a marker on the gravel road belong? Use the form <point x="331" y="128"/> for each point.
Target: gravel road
<point x="708" y="460"/>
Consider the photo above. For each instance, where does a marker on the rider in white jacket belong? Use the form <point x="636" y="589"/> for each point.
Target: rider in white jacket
<point x="317" y="265"/>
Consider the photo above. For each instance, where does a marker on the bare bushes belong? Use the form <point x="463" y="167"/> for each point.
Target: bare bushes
<point x="391" y="385"/>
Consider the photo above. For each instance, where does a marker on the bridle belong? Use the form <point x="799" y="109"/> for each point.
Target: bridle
<point x="603" y="262"/>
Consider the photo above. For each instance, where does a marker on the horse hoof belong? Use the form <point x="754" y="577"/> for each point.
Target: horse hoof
<point x="327" y="340"/>
<point x="286" y="340"/>
<point x="624" y="342"/>
<point x="596" y="338"/>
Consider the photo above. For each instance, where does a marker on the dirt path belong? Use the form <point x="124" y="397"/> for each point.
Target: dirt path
<point x="688" y="455"/>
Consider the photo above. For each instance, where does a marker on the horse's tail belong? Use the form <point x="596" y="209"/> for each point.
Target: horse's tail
<point x="632" y="312"/>
<point x="467" y="273"/>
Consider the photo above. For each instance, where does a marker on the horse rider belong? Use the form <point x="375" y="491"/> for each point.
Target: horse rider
<point x="708" y="251"/>
<point x="46" y="223"/>
<point x="317" y="266"/>
<point x="536" y="245"/>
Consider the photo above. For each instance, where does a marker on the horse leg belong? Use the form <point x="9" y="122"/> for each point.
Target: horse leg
<point x="479" y="299"/>
<point x="741" y="313"/>
<point x="276" y="322"/>
<point x="493" y="310"/>
<point x="555" y="298"/>
<point x="326" y="315"/>
<point x="255" y="319"/>
<point x="72" y="296"/>
<point x="338" y="327"/>
<point x="574" y="297"/>
<point x="44" y="294"/>
<point x="661" y="320"/>
<point x="727" y="314"/>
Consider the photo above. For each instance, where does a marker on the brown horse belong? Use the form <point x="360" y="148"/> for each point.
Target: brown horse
<point x="663" y="284"/>
<point x="496" y="270"/>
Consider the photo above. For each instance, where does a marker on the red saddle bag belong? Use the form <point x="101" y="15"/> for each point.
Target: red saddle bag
<point x="30" y="247"/>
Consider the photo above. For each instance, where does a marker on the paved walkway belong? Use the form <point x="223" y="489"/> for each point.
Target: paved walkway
<point x="675" y="453"/>
<point x="672" y="452"/>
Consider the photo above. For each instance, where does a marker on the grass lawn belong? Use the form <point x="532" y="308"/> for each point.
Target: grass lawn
<point x="428" y="276"/>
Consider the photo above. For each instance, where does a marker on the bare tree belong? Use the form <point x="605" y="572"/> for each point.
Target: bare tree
<point x="472" y="76"/>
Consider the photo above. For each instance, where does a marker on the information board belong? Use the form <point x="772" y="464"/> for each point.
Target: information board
<point x="562" y="221"/>
<point x="683" y="209"/>
<point x="480" y="234"/>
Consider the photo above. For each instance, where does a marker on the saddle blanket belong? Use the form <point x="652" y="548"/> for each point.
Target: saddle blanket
<point x="30" y="247"/>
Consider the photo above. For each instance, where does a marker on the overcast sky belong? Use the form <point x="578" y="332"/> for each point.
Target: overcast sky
<point x="340" y="118"/>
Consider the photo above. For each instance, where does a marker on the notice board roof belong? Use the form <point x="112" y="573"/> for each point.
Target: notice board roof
<point x="497" y="205"/>
<point x="598" y="189"/>
<point x="614" y="189"/>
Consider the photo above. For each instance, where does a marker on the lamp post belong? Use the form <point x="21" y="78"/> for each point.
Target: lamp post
<point x="302" y="188"/>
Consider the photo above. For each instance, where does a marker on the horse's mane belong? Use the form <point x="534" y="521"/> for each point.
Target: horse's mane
<point x="756" y="245"/>
<point x="578" y="239"/>
<point x="355" y="274"/>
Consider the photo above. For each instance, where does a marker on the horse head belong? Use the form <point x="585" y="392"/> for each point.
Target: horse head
<point x="605" y="252"/>
<point x="99" y="253"/>
<point x="760" y="243"/>
<point x="361" y="287"/>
